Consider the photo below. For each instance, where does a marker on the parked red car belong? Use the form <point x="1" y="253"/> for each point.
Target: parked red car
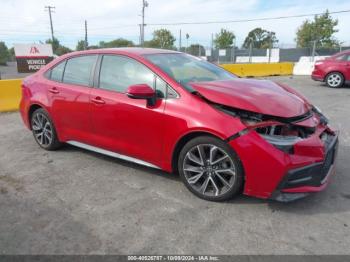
<point x="178" y="113"/>
<point x="335" y="70"/>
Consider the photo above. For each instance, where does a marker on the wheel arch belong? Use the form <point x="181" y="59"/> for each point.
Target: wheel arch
<point x="182" y="142"/>
<point x="31" y="110"/>
<point x="334" y="71"/>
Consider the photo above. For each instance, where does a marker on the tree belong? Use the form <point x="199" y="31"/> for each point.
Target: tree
<point x="260" y="38"/>
<point x="93" y="47"/>
<point x="162" y="38"/>
<point x="4" y="53"/>
<point x="320" y="30"/>
<point x="12" y="56"/>
<point x="224" y="39"/>
<point x="61" y="50"/>
<point x="151" y="44"/>
<point x="54" y="43"/>
<point x="196" y="49"/>
<point x="57" y="48"/>
<point x="120" y="42"/>
<point x="80" y="45"/>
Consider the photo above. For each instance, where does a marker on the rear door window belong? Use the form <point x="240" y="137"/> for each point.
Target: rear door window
<point x="78" y="70"/>
<point x="57" y="72"/>
<point x="343" y="58"/>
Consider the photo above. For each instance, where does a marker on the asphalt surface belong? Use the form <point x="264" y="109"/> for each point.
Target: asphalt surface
<point x="77" y="202"/>
<point x="10" y="71"/>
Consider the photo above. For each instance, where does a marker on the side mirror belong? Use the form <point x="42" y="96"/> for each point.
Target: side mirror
<point x="142" y="91"/>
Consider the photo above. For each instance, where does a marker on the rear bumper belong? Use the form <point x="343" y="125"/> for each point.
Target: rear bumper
<point x="24" y="109"/>
<point x="317" y="78"/>
<point x="302" y="181"/>
<point x="317" y="75"/>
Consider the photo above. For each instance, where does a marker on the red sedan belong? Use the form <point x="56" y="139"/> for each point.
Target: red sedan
<point x="175" y="112"/>
<point x="335" y="70"/>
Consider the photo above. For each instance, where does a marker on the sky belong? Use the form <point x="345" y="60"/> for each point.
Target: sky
<point x="23" y="21"/>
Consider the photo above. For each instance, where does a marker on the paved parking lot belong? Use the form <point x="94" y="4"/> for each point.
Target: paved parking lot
<point x="10" y="71"/>
<point x="77" y="202"/>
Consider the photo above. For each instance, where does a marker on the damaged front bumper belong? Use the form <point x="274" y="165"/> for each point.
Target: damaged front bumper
<point x="273" y="173"/>
<point x="300" y="182"/>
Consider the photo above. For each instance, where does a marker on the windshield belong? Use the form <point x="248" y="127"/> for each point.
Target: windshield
<point x="186" y="68"/>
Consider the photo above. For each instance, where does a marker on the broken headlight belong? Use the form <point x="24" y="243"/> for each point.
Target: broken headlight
<point x="283" y="137"/>
<point x="323" y="119"/>
<point x="283" y="143"/>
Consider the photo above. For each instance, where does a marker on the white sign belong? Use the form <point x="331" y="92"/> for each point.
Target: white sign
<point x="222" y="52"/>
<point x="32" y="57"/>
<point x="208" y="52"/>
<point x="33" y="50"/>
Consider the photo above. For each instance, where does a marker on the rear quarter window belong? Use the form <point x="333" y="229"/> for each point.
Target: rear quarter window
<point x="344" y="57"/>
<point x="56" y="73"/>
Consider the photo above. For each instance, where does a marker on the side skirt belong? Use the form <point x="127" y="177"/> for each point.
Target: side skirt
<point x="110" y="153"/>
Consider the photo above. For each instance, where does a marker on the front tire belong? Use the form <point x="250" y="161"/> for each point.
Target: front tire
<point x="335" y="80"/>
<point x="210" y="169"/>
<point x="44" y="131"/>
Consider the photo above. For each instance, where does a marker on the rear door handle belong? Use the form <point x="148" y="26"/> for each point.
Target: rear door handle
<point x="98" y="100"/>
<point x="54" y="90"/>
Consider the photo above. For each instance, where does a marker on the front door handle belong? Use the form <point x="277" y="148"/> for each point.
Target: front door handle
<point x="98" y="100"/>
<point x="54" y="90"/>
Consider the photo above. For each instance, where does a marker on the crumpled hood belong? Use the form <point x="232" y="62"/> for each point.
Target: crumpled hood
<point x="260" y="96"/>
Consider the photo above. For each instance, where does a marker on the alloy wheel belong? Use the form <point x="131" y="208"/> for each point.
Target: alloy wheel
<point x="334" y="80"/>
<point x="209" y="170"/>
<point x="42" y="129"/>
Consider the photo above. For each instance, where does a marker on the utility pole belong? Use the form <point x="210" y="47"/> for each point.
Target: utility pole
<point x="50" y="9"/>
<point x="233" y="51"/>
<point x="270" y="46"/>
<point x="212" y="47"/>
<point x="86" y="37"/>
<point x="142" y="38"/>
<point x="313" y="50"/>
<point x="187" y="37"/>
<point x="140" y="27"/>
<point x="250" y="49"/>
<point x="180" y="39"/>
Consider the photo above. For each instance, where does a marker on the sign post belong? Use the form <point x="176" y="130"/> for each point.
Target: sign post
<point x="31" y="57"/>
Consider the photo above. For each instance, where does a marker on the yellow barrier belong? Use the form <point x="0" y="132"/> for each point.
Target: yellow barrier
<point x="260" y="69"/>
<point x="10" y="94"/>
<point x="10" y="90"/>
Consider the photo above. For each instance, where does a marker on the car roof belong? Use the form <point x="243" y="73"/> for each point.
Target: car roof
<point x="345" y="52"/>
<point x="126" y="50"/>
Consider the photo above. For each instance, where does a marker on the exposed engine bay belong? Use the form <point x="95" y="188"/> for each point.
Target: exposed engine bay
<point x="271" y="125"/>
<point x="281" y="132"/>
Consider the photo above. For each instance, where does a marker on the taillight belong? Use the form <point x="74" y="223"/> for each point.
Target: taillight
<point x="25" y="90"/>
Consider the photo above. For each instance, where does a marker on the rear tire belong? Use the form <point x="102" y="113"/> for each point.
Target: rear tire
<point x="210" y="169"/>
<point x="44" y="131"/>
<point x="335" y="80"/>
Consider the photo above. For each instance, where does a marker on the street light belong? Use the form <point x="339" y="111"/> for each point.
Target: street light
<point x="144" y="5"/>
<point x="187" y="37"/>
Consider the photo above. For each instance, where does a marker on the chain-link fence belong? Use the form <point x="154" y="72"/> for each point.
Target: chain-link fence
<point x="240" y="55"/>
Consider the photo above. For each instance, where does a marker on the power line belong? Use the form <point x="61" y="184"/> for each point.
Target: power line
<point x="244" y="20"/>
<point x="72" y="31"/>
